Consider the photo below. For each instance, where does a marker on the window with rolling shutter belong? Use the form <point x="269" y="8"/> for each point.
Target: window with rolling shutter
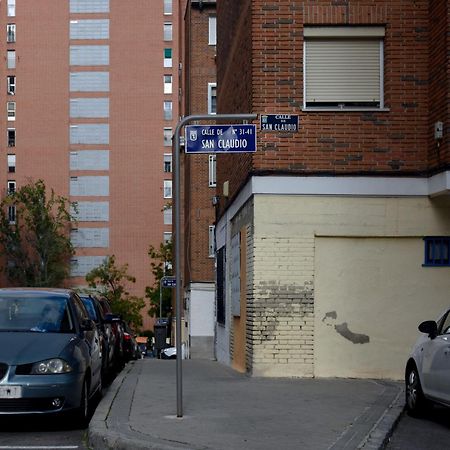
<point x="343" y="67"/>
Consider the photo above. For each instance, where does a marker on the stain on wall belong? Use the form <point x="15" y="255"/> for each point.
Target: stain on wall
<point x="342" y="329"/>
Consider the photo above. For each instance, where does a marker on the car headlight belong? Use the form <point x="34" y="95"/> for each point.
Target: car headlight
<point x="50" y="366"/>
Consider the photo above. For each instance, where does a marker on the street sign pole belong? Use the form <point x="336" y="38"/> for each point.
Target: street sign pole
<point x="177" y="205"/>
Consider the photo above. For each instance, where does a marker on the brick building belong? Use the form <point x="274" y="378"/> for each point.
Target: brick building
<point x="90" y="95"/>
<point x="337" y="236"/>
<point x="199" y="97"/>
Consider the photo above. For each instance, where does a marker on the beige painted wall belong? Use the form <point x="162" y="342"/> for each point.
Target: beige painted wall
<point x="295" y="283"/>
<point x="370" y="295"/>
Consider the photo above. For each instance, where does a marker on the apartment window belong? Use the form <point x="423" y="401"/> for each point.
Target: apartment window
<point x="167" y="137"/>
<point x="12" y="214"/>
<point x="212" y="33"/>
<point x="211" y="241"/>
<point x="168" y="7"/>
<point x="167" y="237"/>
<point x="212" y="98"/>
<point x="168" y="110"/>
<point x="167" y="84"/>
<point x="11" y="110"/>
<point x="437" y="251"/>
<point x="11" y="8"/>
<point x="11" y="32"/>
<point x="11" y="137"/>
<point x="343" y="67"/>
<point x="212" y="171"/>
<point x="11" y="187"/>
<point x="11" y="163"/>
<point x="168" y="216"/>
<point x="11" y="84"/>
<point x="168" y="162"/>
<point x="168" y="31"/>
<point x="167" y="57"/>
<point x="11" y="59"/>
<point x="167" y="188"/>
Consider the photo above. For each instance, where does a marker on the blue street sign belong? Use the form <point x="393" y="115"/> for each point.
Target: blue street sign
<point x="169" y="282"/>
<point x="220" y="139"/>
<point x="287" y="123"/>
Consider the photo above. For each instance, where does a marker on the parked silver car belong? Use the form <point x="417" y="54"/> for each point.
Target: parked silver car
<point x="427" y="371"/>
<point x="50" y="355"/>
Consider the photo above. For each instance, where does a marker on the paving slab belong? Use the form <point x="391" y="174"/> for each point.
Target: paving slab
<point x="226" y="410"/>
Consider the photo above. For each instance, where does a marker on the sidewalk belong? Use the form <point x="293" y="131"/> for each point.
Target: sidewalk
<point x="223" y="409"/>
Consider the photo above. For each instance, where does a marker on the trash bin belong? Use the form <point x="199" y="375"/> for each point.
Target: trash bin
<point x="160" y="330"/>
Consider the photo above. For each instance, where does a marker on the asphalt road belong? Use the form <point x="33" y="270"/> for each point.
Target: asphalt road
<point x="44" y="433"/>
<point x="430" y="432"/>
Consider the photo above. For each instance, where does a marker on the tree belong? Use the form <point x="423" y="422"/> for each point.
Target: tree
<point x="161" y="266"/>
<point x="34" y="236"/>
<point x="110" y="281"/>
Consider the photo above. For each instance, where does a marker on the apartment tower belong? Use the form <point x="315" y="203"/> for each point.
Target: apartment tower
<point x="90" y="96"/>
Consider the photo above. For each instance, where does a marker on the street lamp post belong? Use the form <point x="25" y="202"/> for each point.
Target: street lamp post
<point x="177" y="204"/>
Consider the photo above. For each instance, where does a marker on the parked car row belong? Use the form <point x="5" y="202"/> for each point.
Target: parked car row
<point x="56" y="349"/>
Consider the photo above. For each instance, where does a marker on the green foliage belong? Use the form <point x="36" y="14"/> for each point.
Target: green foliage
<point x="110" y="281"/>
<point x="36" y="248"/>
<point x="161" y="265"/>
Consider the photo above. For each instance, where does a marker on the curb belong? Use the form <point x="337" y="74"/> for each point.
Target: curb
<point x="100" y="436"/>
<point x="379" y="435"/>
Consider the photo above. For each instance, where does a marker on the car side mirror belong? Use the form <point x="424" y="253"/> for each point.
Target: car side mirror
<point x="429" y="327"/>
<point x="87" y="325"/>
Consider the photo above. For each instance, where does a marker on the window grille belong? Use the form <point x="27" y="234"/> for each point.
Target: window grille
<point x="437" y="251"/>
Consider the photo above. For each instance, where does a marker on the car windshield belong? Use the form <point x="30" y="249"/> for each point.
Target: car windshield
<point x="89" y="305"/>
<point x="35" y="313"/>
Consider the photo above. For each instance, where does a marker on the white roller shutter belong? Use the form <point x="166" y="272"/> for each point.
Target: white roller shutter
<point x="343" y="66"/>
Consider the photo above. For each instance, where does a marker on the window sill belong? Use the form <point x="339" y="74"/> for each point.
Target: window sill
<point x="346" y="110"/>
<point x="435" y="265"/>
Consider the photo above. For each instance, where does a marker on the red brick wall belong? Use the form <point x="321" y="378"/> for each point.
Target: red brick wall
<point x="200" y="69"/>
<point x="439" y="151"/>
<point x="234" y="80"/>
<point x="395" y="142"/>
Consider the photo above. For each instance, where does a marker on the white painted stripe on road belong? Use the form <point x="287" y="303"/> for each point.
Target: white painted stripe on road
<point x="36" y="447"/>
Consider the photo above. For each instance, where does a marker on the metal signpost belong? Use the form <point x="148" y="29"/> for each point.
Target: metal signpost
<point x="177" y="204"/>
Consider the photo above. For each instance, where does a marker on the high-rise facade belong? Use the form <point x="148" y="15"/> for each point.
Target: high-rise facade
<point x="90" y="95"/>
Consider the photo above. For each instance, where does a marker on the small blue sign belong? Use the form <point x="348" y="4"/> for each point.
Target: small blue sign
<point x="220" y="139"/>
<point x="169" y="282"/>
<point x="285" y="123"/>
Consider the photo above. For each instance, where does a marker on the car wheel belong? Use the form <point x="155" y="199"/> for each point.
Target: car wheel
<point x="82" y="412"/>
<point x="415" y="400"/>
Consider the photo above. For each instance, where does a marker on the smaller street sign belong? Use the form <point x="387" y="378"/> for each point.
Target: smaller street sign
<point x="169" y="282"/>
<point x="220" y="139"/>
<point x="287" y="123"/>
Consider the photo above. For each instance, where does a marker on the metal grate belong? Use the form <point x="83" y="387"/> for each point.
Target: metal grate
<point x="24" y="405"/>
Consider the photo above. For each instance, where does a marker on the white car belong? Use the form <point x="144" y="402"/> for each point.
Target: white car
<point x="427" y="374"/>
